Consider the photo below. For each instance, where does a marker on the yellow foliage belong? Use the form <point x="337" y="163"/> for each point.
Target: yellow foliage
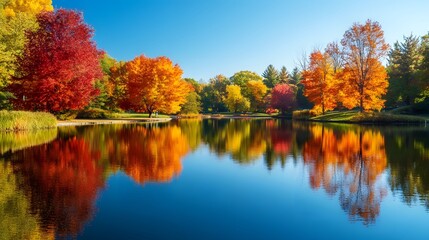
<point x="234" y="100"/>
<point x="12" y="7"/>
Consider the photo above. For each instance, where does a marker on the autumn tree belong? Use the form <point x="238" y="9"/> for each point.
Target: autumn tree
<point x="59" y="65"/>
<point x="14" y="7"/>
<point x="257" y="91"/>
<point x="242" y="78"/>
<point x="319" y="82"/>
<point x="364" y="75"/>
<point x="117" y="80"/>
<point x="334" y="52"/>
<point x="16" y="17"/>
<point x="283" y="97"/>
<point x="235" y="100"/>
<point x="155" y="84"/>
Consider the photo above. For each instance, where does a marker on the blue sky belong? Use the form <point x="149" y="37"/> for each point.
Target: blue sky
<point x="210" y="37"/>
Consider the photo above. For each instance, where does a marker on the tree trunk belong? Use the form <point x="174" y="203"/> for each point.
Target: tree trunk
<point x="323" y="109"/>
<point x="150" y="114"/>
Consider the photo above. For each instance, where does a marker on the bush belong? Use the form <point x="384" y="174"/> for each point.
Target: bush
<point x="67" y="115"/>
<point x="20" y="120"/>
<point x="93" y="113"/>
<point x="303" y="114"/>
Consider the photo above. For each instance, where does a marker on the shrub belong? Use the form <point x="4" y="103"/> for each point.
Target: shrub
<point x="303" y="114"/>
<point x="93" y="113"/>
<point x="66" y="115"/>
<point x="20" y="120"/>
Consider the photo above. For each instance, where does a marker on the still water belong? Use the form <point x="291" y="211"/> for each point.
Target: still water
<point x="216" y="179"/>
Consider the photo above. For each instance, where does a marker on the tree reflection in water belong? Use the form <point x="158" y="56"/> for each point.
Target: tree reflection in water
<point x="56" y="183"/>
<point x="61" y="179"/>
<point x="350" y="163"/>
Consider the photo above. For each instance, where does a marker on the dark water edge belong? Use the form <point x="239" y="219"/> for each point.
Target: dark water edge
<point x="216" y="179"/>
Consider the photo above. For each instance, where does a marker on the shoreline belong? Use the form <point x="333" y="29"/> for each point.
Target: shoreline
<point x="367" y="122"/>
<point x="92" y="122"/>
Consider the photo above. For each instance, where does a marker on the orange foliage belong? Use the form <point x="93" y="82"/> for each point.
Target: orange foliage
<point x="148" y="154"/>
<point x="350" y="162"/>
<point x="364" y="75"/>
<point x="155" y="84"/>
<point x="319" y="82"/>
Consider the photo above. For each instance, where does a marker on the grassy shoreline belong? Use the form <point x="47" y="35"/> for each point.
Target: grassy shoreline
<point x="354" y="117"/>
<point x="11" y="121"/>
<point x="86" y="122"/>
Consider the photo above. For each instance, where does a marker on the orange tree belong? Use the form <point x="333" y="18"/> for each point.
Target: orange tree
<point x="364" y="75"/>
<point x="319" y="82"/>
<point x="155" y="84"/>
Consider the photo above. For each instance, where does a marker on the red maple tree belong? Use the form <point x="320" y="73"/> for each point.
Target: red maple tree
<point x="59" y="65"/>
<point x="283" y="97"/>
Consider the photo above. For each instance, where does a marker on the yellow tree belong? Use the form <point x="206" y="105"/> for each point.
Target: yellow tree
<point x="257" y="91"/>
<point x="364" y="75"/>
<point x="16" y="17"/>
<point x="234" y="100"/>
<point x="319" y="82"/>
<point x="13" y="7"/>
<point x="155" y="84"/>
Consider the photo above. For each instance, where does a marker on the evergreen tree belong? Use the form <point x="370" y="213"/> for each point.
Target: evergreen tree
<point x="284" y="76"/>
<point x="271" y="76"/>
<point x="301" y="100"/>
<point x="295" y="78"/>
<point x="404" y="60"/>
<point x="424" y="70"/>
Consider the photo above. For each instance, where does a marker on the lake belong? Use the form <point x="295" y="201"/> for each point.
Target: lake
<point x="216" y="179"/>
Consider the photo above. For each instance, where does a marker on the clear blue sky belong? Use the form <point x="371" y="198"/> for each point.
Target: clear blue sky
<point x="210" y="37"/>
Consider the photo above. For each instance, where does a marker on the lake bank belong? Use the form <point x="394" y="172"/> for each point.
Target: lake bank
<point x="11" y="121"/>
<point x="354" y="117"/>
<point x="85" y="122"/>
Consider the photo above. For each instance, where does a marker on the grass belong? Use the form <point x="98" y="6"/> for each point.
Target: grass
<point x="20" y="120"/>
<point x="136" y="115"/>
<point x="374" y="117"/>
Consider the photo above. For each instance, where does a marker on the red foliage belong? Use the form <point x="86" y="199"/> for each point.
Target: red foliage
<point x="283" y="97"/>
<point x="62" y="179"/>
<point x="59" y="64"/>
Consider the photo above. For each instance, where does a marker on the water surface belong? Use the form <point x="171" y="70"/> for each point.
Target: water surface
<point x="215" y="179"/>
